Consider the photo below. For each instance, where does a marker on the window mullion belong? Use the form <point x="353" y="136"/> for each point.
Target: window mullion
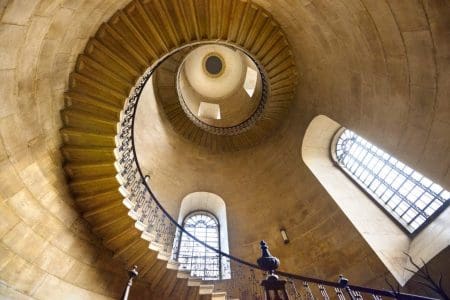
<point x="352" y="152"/>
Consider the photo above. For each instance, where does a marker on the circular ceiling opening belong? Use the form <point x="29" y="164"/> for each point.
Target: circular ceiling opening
<point x="219" y="88"/>
<point x="214" y="65"/>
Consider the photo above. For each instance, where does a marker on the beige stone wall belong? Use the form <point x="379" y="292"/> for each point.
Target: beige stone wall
<point x="46" y="248"/>
<point x="381" y="68"/>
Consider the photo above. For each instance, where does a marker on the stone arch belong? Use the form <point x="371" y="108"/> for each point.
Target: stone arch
<point x="211" y="203"/>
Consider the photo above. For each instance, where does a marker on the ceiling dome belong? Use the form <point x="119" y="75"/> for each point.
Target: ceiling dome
<point x="214" y="71"/>
<point x="219" y="86"/>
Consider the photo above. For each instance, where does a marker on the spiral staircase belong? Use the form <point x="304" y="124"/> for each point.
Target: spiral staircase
<point x="138" y="37"/>
<point x="98" y="135"/>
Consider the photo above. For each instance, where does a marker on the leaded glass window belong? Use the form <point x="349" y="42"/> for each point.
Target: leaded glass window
<point x="203" y="262"/>
<point x="408" y="196"/>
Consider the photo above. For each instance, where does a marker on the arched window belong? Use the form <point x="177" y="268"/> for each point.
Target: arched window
<point x="409" y="197"/>
<point x="203" y="262"/>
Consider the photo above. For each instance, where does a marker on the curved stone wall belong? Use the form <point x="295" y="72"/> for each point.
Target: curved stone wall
<point x="46" y="249"/>
<point x="381" y="68"/>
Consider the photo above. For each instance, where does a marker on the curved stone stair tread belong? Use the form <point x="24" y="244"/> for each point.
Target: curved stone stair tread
<point x="122" y="49"/>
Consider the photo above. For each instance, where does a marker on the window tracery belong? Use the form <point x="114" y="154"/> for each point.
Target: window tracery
<point x="410" y="198"/>
<point x="203" y="262"/>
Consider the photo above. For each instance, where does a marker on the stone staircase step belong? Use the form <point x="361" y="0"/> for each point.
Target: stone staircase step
<point x="91" y="186"/>
<point x="87" y="154"/>
<point x="81" y="137"/>
<point x="90" y="170"/>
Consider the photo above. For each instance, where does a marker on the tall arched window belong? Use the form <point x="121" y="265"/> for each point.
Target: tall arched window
<point x="409" y="197"/>
<point x="202" y="262"/>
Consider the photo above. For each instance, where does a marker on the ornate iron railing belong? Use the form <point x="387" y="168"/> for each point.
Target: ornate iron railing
<point x="161" y="229"/>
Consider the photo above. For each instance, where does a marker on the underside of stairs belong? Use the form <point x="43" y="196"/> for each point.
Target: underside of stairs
<point x="134" y="39"/>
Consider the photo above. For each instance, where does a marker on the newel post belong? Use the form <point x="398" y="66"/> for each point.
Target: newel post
<point x="274" y="288"/>
<point x="133" y="273"/>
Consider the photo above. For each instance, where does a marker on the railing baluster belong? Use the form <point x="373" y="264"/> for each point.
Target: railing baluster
<point x="309" y="294"/>
<point x="292" y="289"/>
<point x="323" y="292"/>
<point x="339" y="293"/>
<point x="357" y="295"/>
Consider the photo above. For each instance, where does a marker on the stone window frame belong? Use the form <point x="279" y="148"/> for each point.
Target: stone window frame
<point x="214" y="205"/>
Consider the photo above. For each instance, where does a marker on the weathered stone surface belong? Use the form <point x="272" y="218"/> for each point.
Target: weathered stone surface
<point x="18" y="12"/>
<point x="35" y="206"/>
<point x="11" y="39"/>
<point x="9" y="219"/>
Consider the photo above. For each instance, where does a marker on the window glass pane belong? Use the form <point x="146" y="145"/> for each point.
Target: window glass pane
<point x="374" y="184"/>
<point x="381" y="189"/>
<point x="445" y="195"/>
<point x="391" y="177"/>
<point x="395" y="200"/>
<point x="406" y="188"/>
<point x="405" y="193"/>
<point x="372" y="163"/>
<point x="369" y="179"/>
<point x="192" y="255"/>
<point x="388" y="195"/>
<point x="385" y="171"/>
<point x="398" y="181"/>
<point x="436" y="188"/>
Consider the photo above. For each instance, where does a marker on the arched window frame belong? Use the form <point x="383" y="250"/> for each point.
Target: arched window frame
<point x="212" y="203"/>
<point x="212" y="216"/>
<point x="389" y="211"/>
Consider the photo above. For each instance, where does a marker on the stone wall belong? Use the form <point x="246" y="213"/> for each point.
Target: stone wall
<point x="46" y="249"/>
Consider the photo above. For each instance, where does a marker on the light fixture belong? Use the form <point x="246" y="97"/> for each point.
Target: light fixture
<point x="284" y="235"/>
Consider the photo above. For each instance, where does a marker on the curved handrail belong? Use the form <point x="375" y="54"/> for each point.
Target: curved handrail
<point x="135" y="96"/>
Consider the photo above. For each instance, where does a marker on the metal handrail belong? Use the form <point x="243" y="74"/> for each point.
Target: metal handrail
<point x="142" y="82"/>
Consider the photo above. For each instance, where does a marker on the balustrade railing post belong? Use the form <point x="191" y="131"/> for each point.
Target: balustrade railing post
<point x="343" y="282"/>
<point x="275" y="289"/>
<point x="133" y="273"/>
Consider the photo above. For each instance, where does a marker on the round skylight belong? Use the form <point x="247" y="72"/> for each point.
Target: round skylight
<point x="213" y="65"/>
